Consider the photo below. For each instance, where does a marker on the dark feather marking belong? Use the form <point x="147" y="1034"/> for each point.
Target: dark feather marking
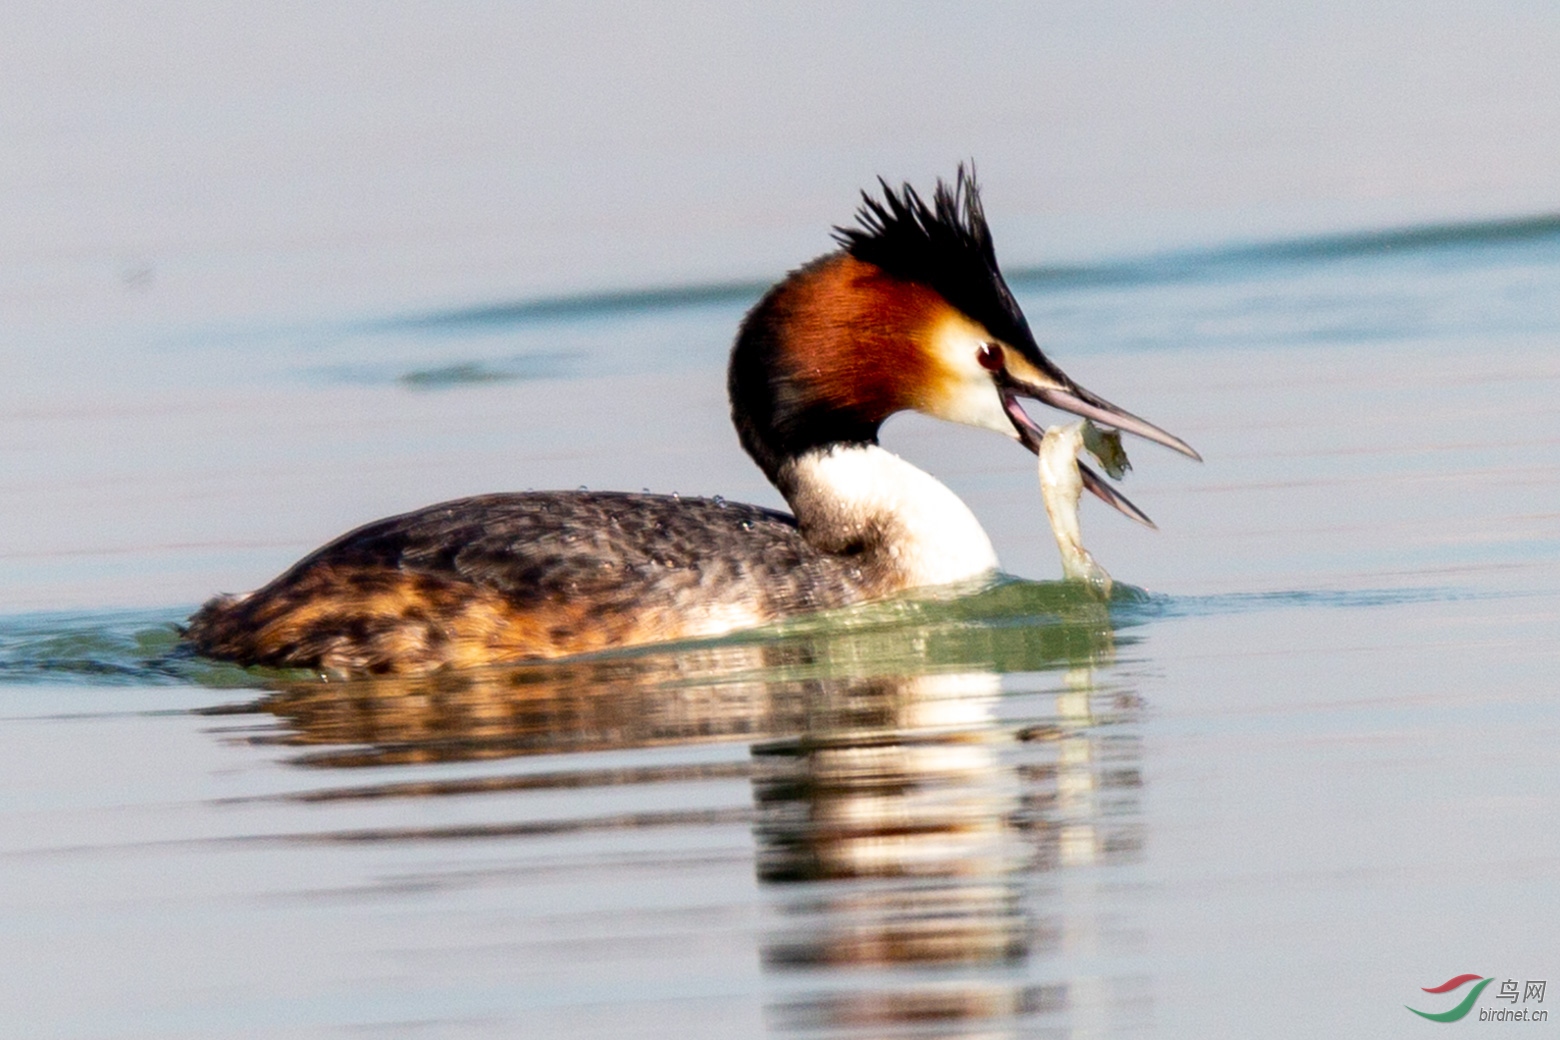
<point x="945" y="246"/>
<point x="553" y="572"/>
<point x="780" y="404"/>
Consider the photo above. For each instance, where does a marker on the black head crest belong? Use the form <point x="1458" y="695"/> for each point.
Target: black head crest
<point x="945" y="246"/>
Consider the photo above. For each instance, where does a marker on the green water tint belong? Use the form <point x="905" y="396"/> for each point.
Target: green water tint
<point x="756" y="685"/>
<point x="745" y="685"/>
<point x="130" y="647"/>
<point x="1010" y="625"/>
<point x="760" y="684"/>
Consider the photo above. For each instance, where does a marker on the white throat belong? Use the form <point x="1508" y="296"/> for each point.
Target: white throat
<point x="903" y="520"/>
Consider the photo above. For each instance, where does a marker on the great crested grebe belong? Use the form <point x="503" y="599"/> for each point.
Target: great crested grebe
<point x="911" y="312"/>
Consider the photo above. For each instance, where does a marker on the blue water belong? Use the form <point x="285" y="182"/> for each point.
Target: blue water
<point x="1302" y="766"/>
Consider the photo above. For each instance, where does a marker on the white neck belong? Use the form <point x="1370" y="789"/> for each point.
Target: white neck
<point x="906" y="524"/>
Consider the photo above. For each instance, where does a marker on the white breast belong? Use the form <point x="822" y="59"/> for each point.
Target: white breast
<point x="863" y="495"/>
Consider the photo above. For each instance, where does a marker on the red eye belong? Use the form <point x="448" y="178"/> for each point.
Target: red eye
<point x="989" y="356"/>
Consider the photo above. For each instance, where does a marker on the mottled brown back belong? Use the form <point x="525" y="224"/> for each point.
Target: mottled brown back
<point x="510" y="577"/>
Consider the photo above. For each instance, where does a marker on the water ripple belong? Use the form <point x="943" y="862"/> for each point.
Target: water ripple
<point x="1542" y="229"/>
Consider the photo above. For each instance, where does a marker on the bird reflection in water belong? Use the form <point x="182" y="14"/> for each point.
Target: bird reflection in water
<point x="910" y="826"/>
<point x="915" y="814"/>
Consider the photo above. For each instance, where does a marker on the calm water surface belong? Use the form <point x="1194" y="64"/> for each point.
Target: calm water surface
<point x="1305" y="767"/>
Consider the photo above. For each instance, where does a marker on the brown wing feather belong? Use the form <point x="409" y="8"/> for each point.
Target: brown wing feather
<point x="514" y="576"/>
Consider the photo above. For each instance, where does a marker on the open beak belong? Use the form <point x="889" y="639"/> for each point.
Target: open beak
<point x="1030" y="434"/>
<point x="1054" y="388"/>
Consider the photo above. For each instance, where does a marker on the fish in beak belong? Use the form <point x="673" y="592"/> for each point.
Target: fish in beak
<point x="1022" y="376"/>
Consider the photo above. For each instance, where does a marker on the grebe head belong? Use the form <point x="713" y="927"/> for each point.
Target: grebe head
<point x="912" y="312"/>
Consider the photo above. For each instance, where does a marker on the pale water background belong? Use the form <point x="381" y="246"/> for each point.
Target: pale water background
<point x="265" y="277"/>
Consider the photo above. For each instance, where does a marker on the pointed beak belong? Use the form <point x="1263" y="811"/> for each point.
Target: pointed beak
<point x="1030" y="435"/>
<point x="1079" y="401"/>
<point x="1049" y="385"/>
